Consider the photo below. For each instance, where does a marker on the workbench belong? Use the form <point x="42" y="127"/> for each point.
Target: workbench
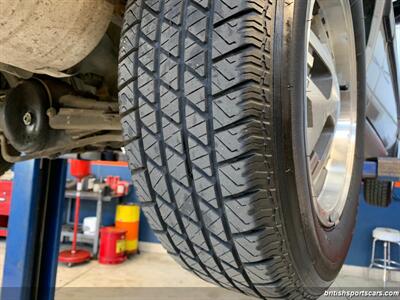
<point x="100" y="197"/>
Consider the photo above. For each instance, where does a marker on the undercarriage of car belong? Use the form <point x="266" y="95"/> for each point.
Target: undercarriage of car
<point x="66" y="99"/>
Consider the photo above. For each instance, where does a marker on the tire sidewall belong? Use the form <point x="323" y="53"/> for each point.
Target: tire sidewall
<point x="318" y="253"/>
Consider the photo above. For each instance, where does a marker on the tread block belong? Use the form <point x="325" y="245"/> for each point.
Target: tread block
<point x="223" y="251"/>
<point x="199" y="156"/>
<point x="142" y="189"/>
<point x="246" y="214"/>
<point x="227" y="109"/>
<point x="184" y="201"/>
<point x="172" y="11"/>
<point x="158" y="181"/>
<point x="126" y="101"/>
<point x="145" y="84"/>
<point x="195" y="91"/>
<point x="168" y="214"/>
<point x="172" y="135"/>
<point x="149" y="24"/>
<point x="205" y="188"/>
<point x="129" y="124"/>
<point x="169" y="105"/>
<point x="212" y="221"/>
<point x="176" y="167"/>
<point x="196" y="236"/>
<point x="168" y="72"/>
<point x="152" y="218"/>
<point x="132" y="151"/>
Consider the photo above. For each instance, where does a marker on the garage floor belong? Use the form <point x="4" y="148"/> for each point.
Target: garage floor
<point x="155" y="271"/>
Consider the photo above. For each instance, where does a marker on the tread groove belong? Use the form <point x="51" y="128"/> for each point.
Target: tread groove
<point x="184" y="137"/>
<point x="143" y="157"/>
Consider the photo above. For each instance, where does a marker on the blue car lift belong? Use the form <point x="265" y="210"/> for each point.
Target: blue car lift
<point x="34" y="230"/>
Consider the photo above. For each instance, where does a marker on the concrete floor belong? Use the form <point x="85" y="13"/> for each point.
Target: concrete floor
<point x="151" y="276"/>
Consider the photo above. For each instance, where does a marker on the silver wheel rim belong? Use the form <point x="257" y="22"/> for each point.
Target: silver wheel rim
<point x="331" y="106"/>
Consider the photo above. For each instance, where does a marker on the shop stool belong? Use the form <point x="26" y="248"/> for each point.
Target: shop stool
<point x="387" y="236"/>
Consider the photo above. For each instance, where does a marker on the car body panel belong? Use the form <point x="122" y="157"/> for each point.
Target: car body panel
<point x="382" y="74"/>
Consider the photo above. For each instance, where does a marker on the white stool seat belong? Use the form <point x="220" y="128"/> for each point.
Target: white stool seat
<point x="387" y="234"/>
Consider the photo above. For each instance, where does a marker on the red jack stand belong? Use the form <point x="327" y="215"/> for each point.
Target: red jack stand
<point x="79" y="169"/>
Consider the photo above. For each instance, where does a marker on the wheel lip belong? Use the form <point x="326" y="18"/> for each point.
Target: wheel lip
<point x="329" y="204"/>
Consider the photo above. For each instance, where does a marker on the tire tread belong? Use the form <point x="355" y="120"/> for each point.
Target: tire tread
<point x="196" y="99"/>
<point x="378" y="193"/>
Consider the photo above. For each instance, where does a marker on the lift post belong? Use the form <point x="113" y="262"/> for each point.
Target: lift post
<point x="34" y="230"/>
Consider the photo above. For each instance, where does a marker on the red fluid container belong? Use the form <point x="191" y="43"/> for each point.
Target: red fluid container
<point x="113" y="181"/>
<point x="80" y="168"/>
<point x="112" y="246"/>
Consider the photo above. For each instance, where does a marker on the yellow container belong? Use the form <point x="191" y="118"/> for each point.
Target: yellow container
<point x="127" y="217"/>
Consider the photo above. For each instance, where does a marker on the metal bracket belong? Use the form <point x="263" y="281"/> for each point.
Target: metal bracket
<point x="58" y="150"/>
<point x="383" y="169"/>
<point x="389" y="169"/>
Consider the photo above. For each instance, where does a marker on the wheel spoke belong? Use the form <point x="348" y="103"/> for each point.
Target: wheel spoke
<point x="323" y="98"/>
<point x="320" y="110"/>
<point x="322" y="50"/>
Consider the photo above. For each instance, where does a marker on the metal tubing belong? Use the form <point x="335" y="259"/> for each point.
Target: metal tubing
<point x="76" y="217"/>
<point x="99" y="215"/>
<point x="384" y="263"/>
<point x="373" y="254"/>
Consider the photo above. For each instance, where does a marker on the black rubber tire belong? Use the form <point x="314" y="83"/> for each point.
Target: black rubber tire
<point x="211" y="104"/>
<point x="378" y="193"/>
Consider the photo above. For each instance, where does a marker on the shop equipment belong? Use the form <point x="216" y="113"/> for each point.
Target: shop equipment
<point x="120" y="187"/>
<point x="127" y="217"/>
<point x="34" y="226"/>
<point x="79" y="169"/>
<point x="89" y="225"/>
<point x="112" y="245"/>
<point x="384" y="169"/>
<point x="388" y="237"/>
<point x="101" y="196"/>
<point x="5" y="202"/>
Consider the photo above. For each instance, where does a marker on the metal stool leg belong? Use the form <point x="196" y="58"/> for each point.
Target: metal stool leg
<point x="389" y="261"/>
<point x="373" y="253"/>
<point x="372" y="258"/>
<point x="399" y="252"/>
<point x="385" y="253"/>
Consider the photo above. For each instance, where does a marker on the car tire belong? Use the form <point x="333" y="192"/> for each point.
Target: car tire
<point x="212" y="113"/>
<point x="378" y="193"/>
